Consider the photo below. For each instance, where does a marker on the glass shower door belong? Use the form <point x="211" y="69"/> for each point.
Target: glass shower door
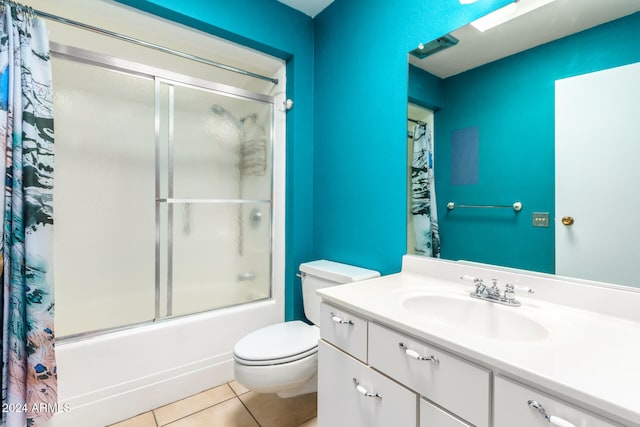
<point x="163" y="199"/>
<point x="215" y="198"/>
<point x="104" y="259"/>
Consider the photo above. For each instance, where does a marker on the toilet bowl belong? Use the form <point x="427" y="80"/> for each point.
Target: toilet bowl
<point x="283" y="358"/>
<point x="280" y="358"/>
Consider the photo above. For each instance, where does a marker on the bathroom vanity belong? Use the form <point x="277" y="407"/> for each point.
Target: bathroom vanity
<point x="415" y="349"/>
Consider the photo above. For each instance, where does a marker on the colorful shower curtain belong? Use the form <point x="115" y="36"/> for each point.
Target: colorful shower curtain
<point x="29" y="378"/>
<point x="423" y="194"/>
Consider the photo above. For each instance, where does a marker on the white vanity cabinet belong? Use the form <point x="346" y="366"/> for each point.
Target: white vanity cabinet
<point x="457" y="385"/>
<point x="344" y="330"/>
<point x="571" y="349"/>
<point x="351" y="394"/>
<point x="371" y="375"/>
<point x="368" y="376"/>
<point x="432" y="416"/>
<point x="512" y="402"/>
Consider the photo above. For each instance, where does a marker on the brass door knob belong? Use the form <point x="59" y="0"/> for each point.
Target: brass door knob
<point x="567" y="220"/>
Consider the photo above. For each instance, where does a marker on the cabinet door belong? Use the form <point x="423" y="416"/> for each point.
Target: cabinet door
<point x="432" y="416"/>
<point x="342" y="402"/>
<point x="455" y="384"/>
<point x="511" y="408"/>
<point x="345" y="330"/>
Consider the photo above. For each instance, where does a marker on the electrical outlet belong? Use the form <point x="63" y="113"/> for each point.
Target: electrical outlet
<point x="540" y="219"/>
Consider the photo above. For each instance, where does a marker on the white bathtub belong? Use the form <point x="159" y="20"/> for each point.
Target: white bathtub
<point x="108" y="378"/>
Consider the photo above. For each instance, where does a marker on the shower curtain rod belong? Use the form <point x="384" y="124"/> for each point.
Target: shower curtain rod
<point x="146" y="44"/>
<point x="416" y="121"/>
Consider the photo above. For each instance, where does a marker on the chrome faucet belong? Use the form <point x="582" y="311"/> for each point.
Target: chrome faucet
<point x="494" y="294"/>
<point x="493" y="291"/>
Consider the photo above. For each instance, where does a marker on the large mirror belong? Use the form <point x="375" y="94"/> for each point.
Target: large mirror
<point x="539" y="110"/>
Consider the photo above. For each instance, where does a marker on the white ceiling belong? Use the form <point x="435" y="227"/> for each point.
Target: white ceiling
<point x="553" y="21"/>
<point x="309" y="7"/>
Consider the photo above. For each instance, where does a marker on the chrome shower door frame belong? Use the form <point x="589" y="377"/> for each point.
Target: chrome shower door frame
<point x="172" y="79"/>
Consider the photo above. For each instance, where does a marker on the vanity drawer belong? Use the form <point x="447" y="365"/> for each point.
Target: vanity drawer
<point x="511" y="408"/>
<point x="432" y="416"/>
<point x="344" y="330"/>
<point x="458" y="386"/>
<point x="350" y="394"/>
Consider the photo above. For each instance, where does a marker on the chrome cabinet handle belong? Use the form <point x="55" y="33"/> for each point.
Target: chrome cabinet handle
<point x="415" y="355"/>
<point x="553" y="420"/>
<point x="336" y="319"/>
<point x="363" y="391"/>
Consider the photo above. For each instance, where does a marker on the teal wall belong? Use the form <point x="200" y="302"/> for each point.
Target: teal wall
<point x="360" y="123"/>
<point x="425" y="89"/>
<point x="511" y="102"/>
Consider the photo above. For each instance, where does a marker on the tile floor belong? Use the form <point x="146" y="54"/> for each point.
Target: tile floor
<point x="231" y="405"/>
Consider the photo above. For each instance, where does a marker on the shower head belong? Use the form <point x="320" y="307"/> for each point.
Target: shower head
<point x="225" y="115"/>
<point x="218" y="109"/>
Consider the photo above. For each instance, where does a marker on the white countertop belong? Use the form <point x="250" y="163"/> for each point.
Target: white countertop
<point x="590" y="358"/>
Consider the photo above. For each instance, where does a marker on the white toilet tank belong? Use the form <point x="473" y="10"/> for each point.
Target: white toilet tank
<point x="322" y="274"/>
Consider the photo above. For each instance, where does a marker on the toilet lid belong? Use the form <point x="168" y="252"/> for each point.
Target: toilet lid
<point x="279" y="341"/>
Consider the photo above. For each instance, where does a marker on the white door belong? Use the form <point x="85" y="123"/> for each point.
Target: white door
<point x="598" y="175"/>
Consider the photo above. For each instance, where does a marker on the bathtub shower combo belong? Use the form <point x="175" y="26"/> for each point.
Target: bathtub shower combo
<point x="164" y="206"/>
<point x="202" y="154"/>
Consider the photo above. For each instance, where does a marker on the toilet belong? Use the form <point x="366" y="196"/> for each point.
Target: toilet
<point x="283" y="358"/>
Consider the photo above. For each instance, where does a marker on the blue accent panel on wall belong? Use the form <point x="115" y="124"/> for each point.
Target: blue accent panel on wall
<point x="464" y="156"/>
<point x="278" y="30"/>
<point x="511" y="101"/>
<point x="360" y="158"/>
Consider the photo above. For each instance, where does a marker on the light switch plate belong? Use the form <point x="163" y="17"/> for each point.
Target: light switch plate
<point x="540" y="219"/>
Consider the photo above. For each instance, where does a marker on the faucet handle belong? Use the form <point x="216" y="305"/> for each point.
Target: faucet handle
<point x="471" y="279"/>
<point x="509" y="292"/>
<point x="519" y="288"/>
<point x="480" y="287"/>
<point x="522" y="288"/>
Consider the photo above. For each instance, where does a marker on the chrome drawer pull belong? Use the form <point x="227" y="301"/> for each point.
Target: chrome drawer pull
<point x="363" y="391"/>
<point x="339" y="320"/>
<point x="415" y="355"/>
<point x="553" y="420"/>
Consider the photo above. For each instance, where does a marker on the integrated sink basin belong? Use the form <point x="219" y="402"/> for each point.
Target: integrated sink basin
<point x="476" y="317"/>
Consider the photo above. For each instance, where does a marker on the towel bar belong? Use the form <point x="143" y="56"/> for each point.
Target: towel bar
<point x="516" y="206"/>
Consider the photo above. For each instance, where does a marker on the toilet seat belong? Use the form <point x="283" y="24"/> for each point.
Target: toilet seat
<point x="277" y="344"/>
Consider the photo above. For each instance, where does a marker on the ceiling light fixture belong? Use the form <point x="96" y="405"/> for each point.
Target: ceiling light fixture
<point x="507" y="13"/>
<point x="467" y="1"/>
<point x="428" y="49"/>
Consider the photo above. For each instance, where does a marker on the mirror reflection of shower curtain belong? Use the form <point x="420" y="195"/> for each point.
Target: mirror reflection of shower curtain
<point x="423" y="194"/>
